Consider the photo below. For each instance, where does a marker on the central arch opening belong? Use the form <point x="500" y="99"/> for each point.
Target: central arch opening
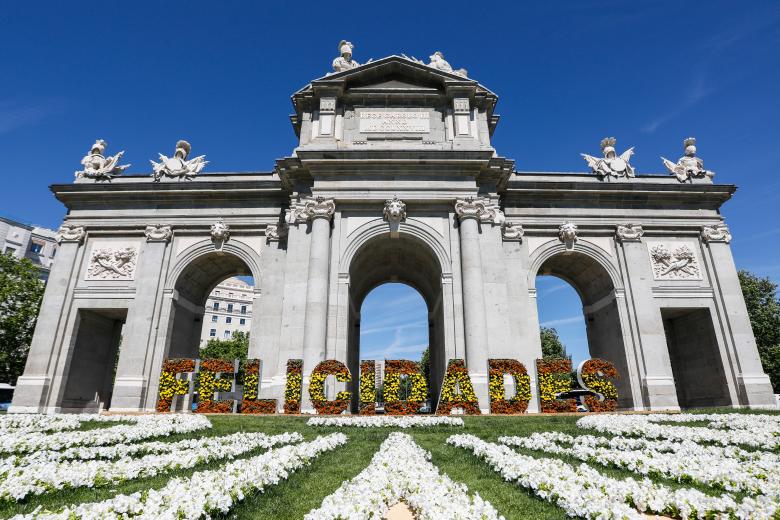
<point x="213" y="300"/>
<point x="399" y="278"/>
<point x="594" y="331"/>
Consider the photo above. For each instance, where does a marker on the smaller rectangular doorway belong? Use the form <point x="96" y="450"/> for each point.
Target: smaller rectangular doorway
<point x="92" y="364"/>
<point x="699" y="376"/>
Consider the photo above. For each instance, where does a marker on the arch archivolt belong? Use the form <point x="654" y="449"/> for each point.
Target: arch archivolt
<point x="592" y="251"/>
<point x="411" y="227"/>
<point x="234" y="247"/>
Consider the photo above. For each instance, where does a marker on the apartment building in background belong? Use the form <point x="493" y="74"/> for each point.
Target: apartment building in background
<point x="228" y="309"/>
<point x="21" y="240"/>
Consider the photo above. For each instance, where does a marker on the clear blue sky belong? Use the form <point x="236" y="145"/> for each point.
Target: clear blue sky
<point x="143" y="74"/>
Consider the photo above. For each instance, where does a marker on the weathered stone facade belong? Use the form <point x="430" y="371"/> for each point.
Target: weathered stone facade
<point x="394" y="179"/>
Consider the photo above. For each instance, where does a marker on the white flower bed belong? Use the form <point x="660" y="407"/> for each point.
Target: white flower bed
<point x="15" y="423"/>
<point x="145" y="427"/>
<point x="646" y="426"/>
<point x="730" y="468"/>
<point x="402" y="471"/>
<point x="386" y="421"/>
<point x="36" y="479"/>
<point x="205" y="492"/>
<point x="583" y="491"/>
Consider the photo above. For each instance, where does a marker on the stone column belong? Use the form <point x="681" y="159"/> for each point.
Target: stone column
<point x="755" y="388"/>
<point x="319" y="212"/>
<point x="32" y="388"/>
<point x="651" y="380"/>
<point x="470" y="212"/>
<point x="132" y="379"/>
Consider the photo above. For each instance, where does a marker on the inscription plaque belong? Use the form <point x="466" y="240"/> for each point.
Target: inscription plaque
<point x="395" y="122"/>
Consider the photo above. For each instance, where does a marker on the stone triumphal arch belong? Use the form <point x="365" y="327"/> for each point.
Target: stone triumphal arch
<point x="394" y="179"/>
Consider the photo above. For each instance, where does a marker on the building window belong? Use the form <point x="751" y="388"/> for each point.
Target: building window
<point x="214" y="318"/>
<point x="227" y="334"/>
<point x="36" y="248"/>
<point x="228" y="320"/>
<point x="10" y="251"/>
<point x="216" y="293"/>
<point x="230" y="307"/>
<point x="242" y="321"/>
<point x="213" y="333"/>
<point x="230" y="295"/>
<point x="243" y="309"/>
<point x="216" y="306"/>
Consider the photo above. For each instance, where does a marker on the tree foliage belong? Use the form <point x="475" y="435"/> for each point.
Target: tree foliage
<point x="20" y="298"/>
<point x="237" y="347"/>
<point x="552" y="347"/>
<point x="763" y="308"/>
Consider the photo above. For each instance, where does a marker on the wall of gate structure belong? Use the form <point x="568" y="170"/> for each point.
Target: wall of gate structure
<point x="394" y="179"/>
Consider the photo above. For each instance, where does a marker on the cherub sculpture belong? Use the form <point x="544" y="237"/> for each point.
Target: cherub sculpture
<point x="689" y="166"/>
<point x="98" y="166"/>
<point x="179" y="166"/>
<point x="611" y="165"/>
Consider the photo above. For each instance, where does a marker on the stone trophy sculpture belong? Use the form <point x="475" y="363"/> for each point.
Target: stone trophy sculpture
<point x="611" y="165"/>
<point x="688" y="166"/>
<point x="100" y="167"/>
<point x="439" y="63"/>
<point x="179" y="166"/>
<point x="345" y="61"/>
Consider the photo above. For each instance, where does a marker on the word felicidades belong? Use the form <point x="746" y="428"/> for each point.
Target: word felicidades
<point x="217" y="387"/>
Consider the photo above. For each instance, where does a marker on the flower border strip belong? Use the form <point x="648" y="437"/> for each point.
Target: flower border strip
<point x="251" y="402"/>
<point x="386" y="421"/>
<point x="402" y="471"/>
<point x="205" y="492"/>
<point x="317" y="387"/>
<point x="293" y="386"/>
<point x="518" y="404"/>
<point x="457" y="378"/>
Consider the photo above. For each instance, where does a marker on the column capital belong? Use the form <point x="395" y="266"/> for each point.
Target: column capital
<point x="310" y="208"/>
<point x="69" y="233"/>
<point x="716" y="233"/>
<point x="158" y="233"/>
<point x="479" y="208"/>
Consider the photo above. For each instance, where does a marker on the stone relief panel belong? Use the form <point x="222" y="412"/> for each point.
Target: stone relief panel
<point x="674" y="261"/>
<point x="112" y="261"/>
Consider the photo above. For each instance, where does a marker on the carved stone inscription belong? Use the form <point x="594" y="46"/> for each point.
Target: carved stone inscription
<point x="395" y="122"/>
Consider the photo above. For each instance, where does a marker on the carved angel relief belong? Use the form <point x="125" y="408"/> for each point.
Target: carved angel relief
<point x="112" y="264"/>
<point x="611" y="165"/>
<point x="674" y="262"/>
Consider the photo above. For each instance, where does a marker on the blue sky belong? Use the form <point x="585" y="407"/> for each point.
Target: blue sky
<point x="143" y="74"/>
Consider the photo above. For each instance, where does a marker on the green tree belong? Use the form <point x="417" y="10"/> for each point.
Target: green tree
<point x="20" y="298"/>
<point x="425" y="368"/>
<point x="763" y="308"/>
<point x="552" y="347"/>
<point x="237" y="347"/>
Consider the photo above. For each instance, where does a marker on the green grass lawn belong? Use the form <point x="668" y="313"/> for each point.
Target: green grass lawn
<point x="305" y="489"/>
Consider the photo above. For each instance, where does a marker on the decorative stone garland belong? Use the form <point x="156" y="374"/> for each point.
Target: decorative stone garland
<point x="518" y="404"/>
<point x="457" y="390"/>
